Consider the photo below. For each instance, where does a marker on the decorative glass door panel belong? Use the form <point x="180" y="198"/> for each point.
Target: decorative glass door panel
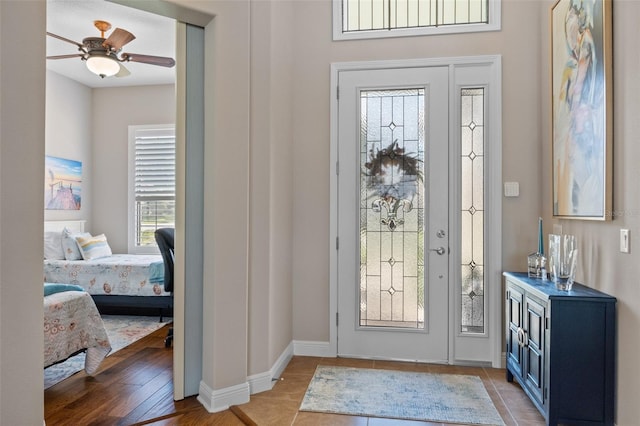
<point x="472" y="211"/>
<point x="392" y="208"/>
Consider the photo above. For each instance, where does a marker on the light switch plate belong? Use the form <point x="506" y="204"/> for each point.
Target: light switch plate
<point x="511" y="189"/>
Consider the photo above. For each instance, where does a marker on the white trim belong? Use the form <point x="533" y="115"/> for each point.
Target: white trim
<point x="493" y="268"/>
<point x="494" y="24"/>
<point x="262" y="382"/>
<point x="319" y="349"/>
<point x="489" y="77"/>
<point x="282" y="362"/>
<point x="333" y="212"/>
<point x="221" y="399"/>
<point x="59" y="225"/>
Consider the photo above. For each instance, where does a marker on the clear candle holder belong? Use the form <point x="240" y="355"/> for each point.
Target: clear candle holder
<point x="537" y="265"/>
<point x="563" y="257"/>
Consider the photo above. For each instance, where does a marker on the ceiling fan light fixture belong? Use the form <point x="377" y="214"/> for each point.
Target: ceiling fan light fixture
<point x="103" y="65"/>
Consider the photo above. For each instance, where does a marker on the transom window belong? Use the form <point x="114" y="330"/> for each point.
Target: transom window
<point x="354" y="19"/>
<point x="152" y="170"/>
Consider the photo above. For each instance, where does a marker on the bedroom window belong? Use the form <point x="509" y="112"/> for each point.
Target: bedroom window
<point x="152" y="153"/>
<point x="359" y="19"/>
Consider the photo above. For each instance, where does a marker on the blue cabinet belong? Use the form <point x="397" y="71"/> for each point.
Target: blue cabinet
<point x="560" y="347"/>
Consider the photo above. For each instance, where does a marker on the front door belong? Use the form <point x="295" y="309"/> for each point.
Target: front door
<point x="393" y="251"/>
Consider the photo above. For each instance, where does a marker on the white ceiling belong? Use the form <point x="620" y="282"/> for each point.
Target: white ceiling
<point x="73" y="19"/>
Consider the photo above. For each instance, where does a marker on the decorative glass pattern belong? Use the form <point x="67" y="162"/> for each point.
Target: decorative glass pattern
<point x="472" y="202"/>
<point x="392" y="208"/>
<point x="368" y="15"/>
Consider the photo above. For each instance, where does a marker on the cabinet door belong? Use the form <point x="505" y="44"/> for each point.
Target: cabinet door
<point x="514" y="311"/>
<point x="534" y="346"/>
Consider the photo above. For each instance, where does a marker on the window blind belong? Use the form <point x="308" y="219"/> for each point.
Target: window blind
<point x="155" y="170"/>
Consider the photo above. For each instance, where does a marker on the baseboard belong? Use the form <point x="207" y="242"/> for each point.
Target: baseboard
<point x="221" y="399"/>
<point x="309" y="348"/>
<point x="264" y="381"/>
<point x="323" y="349"/>
<point x="282" y="362"/>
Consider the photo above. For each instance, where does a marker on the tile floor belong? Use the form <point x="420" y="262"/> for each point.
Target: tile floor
<point x="279" y="406"/>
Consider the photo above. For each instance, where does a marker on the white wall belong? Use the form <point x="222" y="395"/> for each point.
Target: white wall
<point x="314" y="51"/>
<point x="91" y="126"/>
<point x="113" y="110"/>
<point x="22" y="115"/>
<point x="270" y="284"/>
<point x="68" y="135"/>
<point x="523" y="42"/>
<point x="601" y="265"/>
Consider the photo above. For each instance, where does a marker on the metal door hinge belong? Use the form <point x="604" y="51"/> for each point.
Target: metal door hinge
<point x="337" y="167"/>
<point x="336" y="319"/>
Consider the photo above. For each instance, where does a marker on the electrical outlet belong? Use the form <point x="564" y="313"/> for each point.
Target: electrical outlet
<point x="624" y="241"/>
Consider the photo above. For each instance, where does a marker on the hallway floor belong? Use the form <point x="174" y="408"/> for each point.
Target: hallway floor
<point x="134" y="387"/>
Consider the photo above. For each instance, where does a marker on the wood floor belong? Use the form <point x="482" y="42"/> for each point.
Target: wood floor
<point x="134" y="387"/>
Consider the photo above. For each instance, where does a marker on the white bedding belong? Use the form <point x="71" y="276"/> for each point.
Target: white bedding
<point x="72" y="323"/>
<point x="119" y="274"/>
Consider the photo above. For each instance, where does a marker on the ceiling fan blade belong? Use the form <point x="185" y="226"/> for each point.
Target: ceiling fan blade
<point x="148" y="59"/>
<point x="80" y="46"/>
<point x="118" y="38"/>
<point x="124" y="72"/>
<point x="75" y="55"/>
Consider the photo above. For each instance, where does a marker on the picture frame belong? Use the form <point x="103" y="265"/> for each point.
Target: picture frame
<point x="62" y="184"/>
<point x="582" y="109"/>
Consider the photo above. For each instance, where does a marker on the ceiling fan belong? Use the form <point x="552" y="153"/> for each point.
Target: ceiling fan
<point x="101" y="54"/>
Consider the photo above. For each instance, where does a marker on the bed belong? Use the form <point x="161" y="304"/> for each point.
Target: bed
<point x="72" y="324"/>
<point x="119" y="283"/>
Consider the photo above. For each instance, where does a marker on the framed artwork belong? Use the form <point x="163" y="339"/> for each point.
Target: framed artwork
<point x="62" y="184"/>
<point x="582" y="130"/>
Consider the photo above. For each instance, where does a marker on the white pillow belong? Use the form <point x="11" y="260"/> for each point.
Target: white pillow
<point x="53" y="245"/>
<point x="70" y="245"/>
<point x="93" y="247"/>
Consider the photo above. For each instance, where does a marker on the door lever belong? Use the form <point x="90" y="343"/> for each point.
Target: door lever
<point x="439" y="250"/>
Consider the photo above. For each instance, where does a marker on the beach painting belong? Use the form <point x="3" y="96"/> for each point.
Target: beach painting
<point x="62" y="184"/>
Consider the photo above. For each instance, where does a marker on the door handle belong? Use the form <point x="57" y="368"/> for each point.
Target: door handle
<point x="523" y="337"/>
<point x="439" y="250"/>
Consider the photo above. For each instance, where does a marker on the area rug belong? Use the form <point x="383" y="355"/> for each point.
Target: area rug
<point x="122" y="330"/>
<point x="448" y="398"/>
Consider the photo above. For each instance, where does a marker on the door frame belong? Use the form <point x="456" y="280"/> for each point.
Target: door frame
<point x="187" y="309"/>
<point x="493" y="198"/>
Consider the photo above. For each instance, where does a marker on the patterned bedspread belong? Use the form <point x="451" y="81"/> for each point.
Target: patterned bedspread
<point x="72" y="323"/>
<point x="121" y="274"/>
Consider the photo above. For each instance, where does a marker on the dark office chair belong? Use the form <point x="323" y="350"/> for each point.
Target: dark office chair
<point x="164" y="238"/>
